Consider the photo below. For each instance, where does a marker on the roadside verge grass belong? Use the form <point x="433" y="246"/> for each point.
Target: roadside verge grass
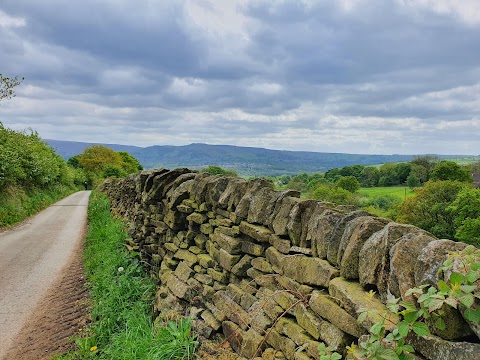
<point x="17" y="204"/>
<point x="122" y="297"/>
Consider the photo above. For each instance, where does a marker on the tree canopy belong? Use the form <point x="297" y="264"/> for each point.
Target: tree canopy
<point x="7" y="85"/>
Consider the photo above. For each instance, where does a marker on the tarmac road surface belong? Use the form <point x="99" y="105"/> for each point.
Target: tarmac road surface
<point x="32" y="256"/>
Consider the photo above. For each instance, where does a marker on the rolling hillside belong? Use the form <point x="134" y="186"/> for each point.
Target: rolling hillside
<point x="246" y="160"/>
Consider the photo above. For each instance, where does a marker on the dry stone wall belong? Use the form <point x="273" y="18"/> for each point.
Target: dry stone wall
<point x="274" y="274"/>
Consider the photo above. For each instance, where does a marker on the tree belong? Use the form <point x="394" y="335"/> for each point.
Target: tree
<point x="130" y="164"/>
<point x="430" y="208"/>
<point x="466" y="210"/>
<point x="413" y="181"/>
<point x="450" y="170"/>
<point x="335" y="194"/>
<point x="349" y="183"/>
<point x="95" y="159"/>
<point x="7" y="85"/>
<point x="370" y="176"/>
<point x="217" y="170"/>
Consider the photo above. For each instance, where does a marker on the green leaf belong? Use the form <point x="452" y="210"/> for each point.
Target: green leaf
<point x="421" y="329"/>
<point x="408" y="305"/>
<point x="440" y="324"/>
<point x="467" y="300"/>
<point x="362" y="317"/>
<point x="376" y="328"/>
<point x="468" y="288"/>
<point x="435" y="304"/>
<point x="451" y="301"/>
<point x="456" y="278"/>
<point x="403" y="328"/>
<point x="336" y="356"/>
<point x="410" y="317"/>
<point x="442" y="286"/>
<point x="471" y="277"/>
<point x="472" y="315"/>
<point x="387" y="354"/>
<point x="408" y="348"/>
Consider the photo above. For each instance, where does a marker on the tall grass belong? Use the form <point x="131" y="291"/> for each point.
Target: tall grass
<point x="17" y="203"/>
<point x="122" y="298"/>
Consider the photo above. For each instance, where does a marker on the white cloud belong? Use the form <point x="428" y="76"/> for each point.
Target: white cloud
<point x="7" y="21"/>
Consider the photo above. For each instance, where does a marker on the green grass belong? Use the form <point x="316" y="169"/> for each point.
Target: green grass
<point x="400" y="192"/>
<point x="17" y="204"/>
<point x="122" y="298"/>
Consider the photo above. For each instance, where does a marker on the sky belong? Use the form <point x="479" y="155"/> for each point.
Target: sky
<point x="350" y="76"/>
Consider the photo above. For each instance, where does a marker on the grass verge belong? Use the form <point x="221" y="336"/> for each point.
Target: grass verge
<point x="17" y="204"/>
<point x="122" y="299"/>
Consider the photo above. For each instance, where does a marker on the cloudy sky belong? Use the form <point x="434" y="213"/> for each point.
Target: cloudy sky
<point x="355" y="76"/>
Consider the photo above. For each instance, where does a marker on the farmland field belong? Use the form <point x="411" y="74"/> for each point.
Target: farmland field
<point x="398" y="191"/>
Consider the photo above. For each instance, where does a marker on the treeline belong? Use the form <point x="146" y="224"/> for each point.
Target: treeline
<point x="413" y="174"/>
<point x="33" y="175"/>
<point x="100" y="162"/>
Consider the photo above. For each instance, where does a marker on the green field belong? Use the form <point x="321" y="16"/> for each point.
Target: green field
<point x="400" y="192"/>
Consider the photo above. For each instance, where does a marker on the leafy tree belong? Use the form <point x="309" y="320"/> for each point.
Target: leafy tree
<point x="7" y="85"/>
<point x="335" y="194"/>
<point x="333" y="174"/>
<point x="130" y="164"/>
<point x="402" y="170"/>
<point x="95" y="158"/>
<point x="349" y="183"/>
<point x="370" y="176"/>
<point x="429" y="208"/>
<point x="413" y="181"/>
<point x="388" y="175"/>
<point x="73" y="162"/>
<point x="426" y="161"/>
<point x="466" y="210"/>
<point x="420" y="172"/>
<point x="450" y="170"/>
<point x="217" y="170"/>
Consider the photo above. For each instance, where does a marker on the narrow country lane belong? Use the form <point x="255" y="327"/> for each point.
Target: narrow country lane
<point x="32" y="257"/>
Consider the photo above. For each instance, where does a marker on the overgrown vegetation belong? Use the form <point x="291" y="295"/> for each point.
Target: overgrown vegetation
<point x="387" y="337"/>
<point x="32" y="175"/>
<point x="217" y="170"/>
<point x="122" y="299"/>
<point x="100" y="162"/>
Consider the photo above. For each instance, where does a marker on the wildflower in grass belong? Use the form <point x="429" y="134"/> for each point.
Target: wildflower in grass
<point x="93" y="348"/>
<point x="120" y="269"/>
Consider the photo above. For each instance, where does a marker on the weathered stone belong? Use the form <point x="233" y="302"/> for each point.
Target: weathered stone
<point x="233" y="231"/>
<point x="229" y="244"/>
<point x="280" y="216"/>
<point x="260" y="319"/>
<point x="180" y="192"/>
<point x="300" y="250"/>
<point x="183" y="271"/>
<point x="298" y="220"/>
<point x="215" y="189"/>
<point x="171" y="247"/>
<point x="179" y="288"/>
<point x="431" y="258"/>
<point x="281" y="342"/>
<point x="195" y="250"/>
<point x="286" y="300"/>
<point x="319" y="229"/>
<point x="235" y="190"/>
<point x="252" y="344"/>
<point x="275" y="259"/>
<point x="174" y="219"/>
<point x="226" y="260"/>
<point x="252" y="248"/>
<point x="210" y="320"/>
<point x="357" y="232"/>
<point x="374" y="263"/>
<point x="353" y="298"/>
<point x="218" y="275"/>
<point x="185" y="209"/>
<point x="200" y="241"/>
<point x="261" y="264"/>
<point x="308" y="320"/>
<point x="204" y="279"/>
<point x="197" y="218"/>
<point x="253" y="187"/>
<point x="435" y="348"/>
<point x="292" y="330"/>
<point x="205" y="260"/>
<point x="263" y="203"/>
<point x="231" y="309"/>
<point x="307" y="270"/>
<point x="293" y="286"/>
<point x="247" y="300"/>
<point x="280" y="244"/>
<point x="240" y="268"/>
<point x="259" y="233"/>
<point x="328" y="309"/>
<point x="234" y="334"/>
<point x="206" y="228"/>
<point x="186" y="255"/>
<point x="403" y="262"/>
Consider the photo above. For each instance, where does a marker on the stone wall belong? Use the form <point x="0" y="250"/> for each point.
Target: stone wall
<point x="274" y="274"/>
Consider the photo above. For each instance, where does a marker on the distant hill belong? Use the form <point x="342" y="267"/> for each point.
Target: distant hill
<point x="247" y="161"/>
